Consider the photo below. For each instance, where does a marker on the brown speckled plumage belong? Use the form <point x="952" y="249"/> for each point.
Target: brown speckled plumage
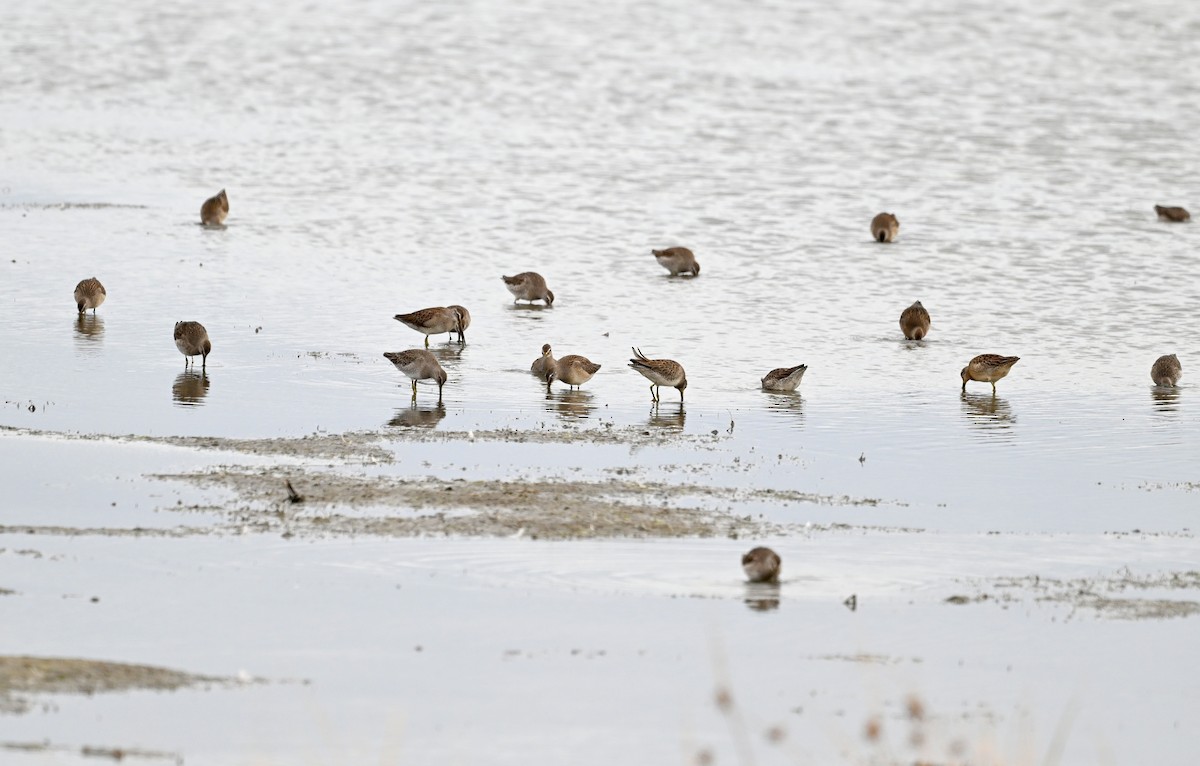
<point x="784" y="378"/>
<point x="431" y="321"/>
<point x="914" y="322"/>
<point x="418" y="364"/>
<point x="660" y="372"/>
<point x="192" y="339"/>
<point x="1172" y="214"/>
<point x="761" y="565"/>
<point x="1166" y="371"/>
<point x="574" y="370"/>
<point x="89" y="294"/>
<point x="987" y="368"/>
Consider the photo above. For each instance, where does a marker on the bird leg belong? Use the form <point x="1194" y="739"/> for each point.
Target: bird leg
<point x="426" y="341"/>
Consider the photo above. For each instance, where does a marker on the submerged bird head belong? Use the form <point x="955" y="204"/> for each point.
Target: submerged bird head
<point x="682" y="384"/>
<point x="440" y="377"/>
<point x="549" y="298"/>
<point x="965" y="377"/>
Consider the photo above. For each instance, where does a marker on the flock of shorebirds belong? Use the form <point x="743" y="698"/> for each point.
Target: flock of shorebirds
<point x="191" y="338"/>
<point x="761" y="565"/>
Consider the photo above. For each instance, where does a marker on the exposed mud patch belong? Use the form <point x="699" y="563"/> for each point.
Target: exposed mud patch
<point x="1103" y="596"/>
<point x="396" y="507"/>
<point x="24" y="676"/>
<point x="118" y="754"/>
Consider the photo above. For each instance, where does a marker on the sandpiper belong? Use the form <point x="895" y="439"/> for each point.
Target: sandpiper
<point x="191" y="339"/>
<point x="660" y="372"/>
<point x="987" y="368"/>
<point x="529" y="286"/>
<point x="677" y="260"/>
<point x="464" y="321"/>
<point x="1173" y="214"/>
<point x="784" y="378"/>
<point x="574" y="370"/>
<point x="761" y="565"/>
<point x="214" y="209"/>
<point x="431" y="321"/>
<point x="418" y="364"/>
<point x="884" y="227"/>
<point x="89" y="294"/>
<point x="914" y="322"/>
<point x="1166" y="371"/>
<point x="543" y="366"/>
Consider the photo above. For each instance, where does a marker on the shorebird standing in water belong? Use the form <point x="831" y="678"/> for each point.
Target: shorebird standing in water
<point x="214" y="209"/>
<point x="574" y="370"/>
<point x="89" y="294"/>
<point x="761" y="565"/>
<point x="987" y="368"/>
<point x="192" y="339"/>
<point x="914" y="322"/>
<point x="464" y="321"/>
<point x="884" y="228"/>
<point x="543" y="366"/>
<point x="431" y="321"/>
<point x="1173" y="214"/>
<point x="1166" y="371"/>
<point x="418" y="364"/>
<point x="784" y="378"/>
<point x="660" y="372"/>
<point x="529" y="286"/>
<point x="677" y="260"/>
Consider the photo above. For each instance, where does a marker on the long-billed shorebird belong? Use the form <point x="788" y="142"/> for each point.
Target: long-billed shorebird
<point x="214" y="209"/>
<point x="192" y="339"/>
<point x="543" y="366"/>
<point x="464" y="321"/>
<point x="574" y="370"/>
<point x="418" y="364"/>
<point x="677" y="260"/>
<point x="761" y="565"/>
<point x="884" y="227"/>
<point x="89" y="294"/>
<point x="1166" y="371"/>
<point x="987" y="368"/>
<point x="784" y="378"/>
<point x="1173" y="214"/>
<point x="660" y="372"/>
<point x="431" y="321"/>
<point x="529" y="286"/>
<point x="914" y="322"/>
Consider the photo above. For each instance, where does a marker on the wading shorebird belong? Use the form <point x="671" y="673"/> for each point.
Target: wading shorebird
<point x="660" y="372"/>
<point x="761" y="565"/>
<point x="529" y="286"/>
<point x="884" y="228"/>
<point x="89" y="294"/>
<point x="914" y="322"/>
<point x="677" y="260"/>
<point x="987" y="368"/>
<point x="574" y="370"/>
<point x="192" y="339"/>
<point x="543" y="366"/>
<point x="431" y="321"/>
<point x="418" y="364"/>
<point x="1173" y="214"/>
<point x="784" y="378"/>
<point x="214" y="209"/>
<point x="1166" y="371"/>
<point x="464" y="321"/>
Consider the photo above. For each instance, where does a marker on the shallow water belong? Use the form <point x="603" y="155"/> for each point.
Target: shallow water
<point x="381" y="159"/>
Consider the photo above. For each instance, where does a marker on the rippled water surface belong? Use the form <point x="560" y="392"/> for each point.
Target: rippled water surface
<point x="384" y="157"/>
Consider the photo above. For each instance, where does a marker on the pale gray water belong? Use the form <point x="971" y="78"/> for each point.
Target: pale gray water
<point x="381" y="158"/>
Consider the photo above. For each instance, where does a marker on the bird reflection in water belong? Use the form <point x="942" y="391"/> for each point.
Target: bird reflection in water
<point x="190" y="388"/>
<point x="788" y="404"/>
<point x="1165" y="399"/>
<point x="89" y="329"/>
<point x="668" y="416"/>
<point x="424" y="416"/>
<point x="571" y="404"/>
<point x="987" y="411"/>
<point x="761" y="596"/>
